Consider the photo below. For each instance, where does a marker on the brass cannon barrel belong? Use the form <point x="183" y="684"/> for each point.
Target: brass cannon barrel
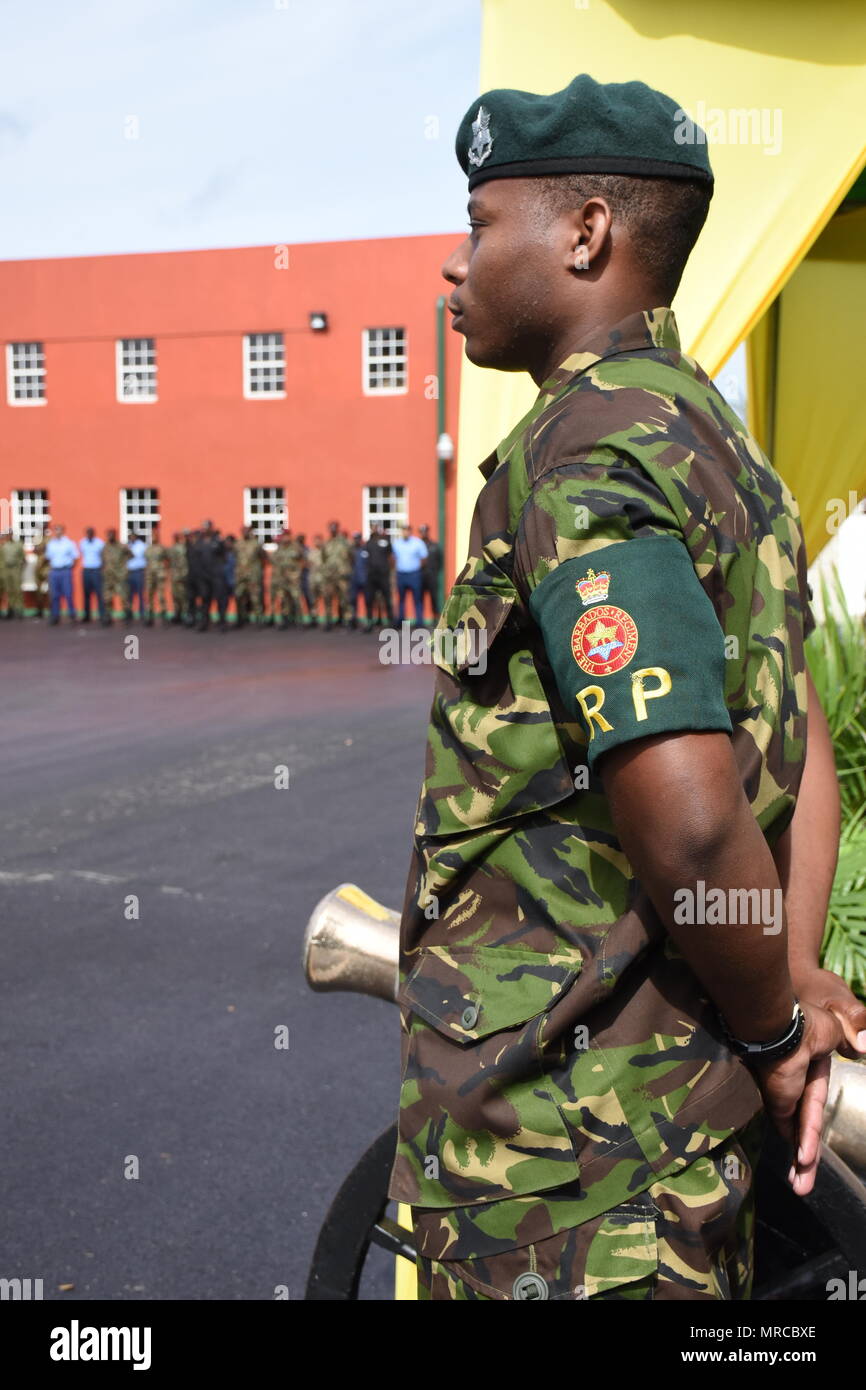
<point x="352" y="943"/>
<point x="845" y="1112"/>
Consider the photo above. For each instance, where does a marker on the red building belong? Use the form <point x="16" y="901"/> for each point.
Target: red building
<point x="266" y="385"/>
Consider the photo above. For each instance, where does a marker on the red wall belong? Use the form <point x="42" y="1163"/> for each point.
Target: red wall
<point x="202" y="441"/>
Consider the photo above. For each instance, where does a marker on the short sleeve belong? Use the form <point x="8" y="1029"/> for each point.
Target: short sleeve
<point x="581" y="506"/>
<point x="632" y="638"/>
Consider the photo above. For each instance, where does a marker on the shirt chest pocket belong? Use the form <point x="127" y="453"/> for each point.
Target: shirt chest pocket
<point x="493" y="750"/>
<point x="474" y="1095"/>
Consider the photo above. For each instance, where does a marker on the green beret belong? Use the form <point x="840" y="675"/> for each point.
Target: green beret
<point x="589" y="127"/>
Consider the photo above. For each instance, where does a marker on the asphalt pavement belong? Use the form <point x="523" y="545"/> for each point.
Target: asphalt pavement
<point x="156" y="884"/>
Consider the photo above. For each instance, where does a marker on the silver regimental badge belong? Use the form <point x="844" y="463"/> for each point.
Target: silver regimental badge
<point x="482" y="140"/>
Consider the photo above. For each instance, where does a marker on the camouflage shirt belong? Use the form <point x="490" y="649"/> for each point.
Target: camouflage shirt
<point x="250" y="556"/>
<point x="635" y="566"/>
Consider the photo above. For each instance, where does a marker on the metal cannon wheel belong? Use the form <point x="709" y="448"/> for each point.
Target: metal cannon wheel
<point x="355" y="1221"/>
<point x="800" y="1242"/>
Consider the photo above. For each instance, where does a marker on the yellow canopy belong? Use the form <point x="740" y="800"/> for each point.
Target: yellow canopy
<point x="780" y="87"/>
<point x="806" y="378"/>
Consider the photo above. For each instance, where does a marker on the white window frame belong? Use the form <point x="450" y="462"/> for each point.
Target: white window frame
<point x="22" y="511"/>
<point x="146" y="370"/>
<point x="250" y="365"/>
<point x="15" y="373"/>
<point x="134" y="521"/>
<point x="368" y="357"/>
<point x="368" y="515"/>
<point x="252" y="516"/>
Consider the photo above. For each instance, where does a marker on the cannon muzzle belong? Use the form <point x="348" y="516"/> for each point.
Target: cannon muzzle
<point x="845" y="1111"/>
<point x="352" y="943"/>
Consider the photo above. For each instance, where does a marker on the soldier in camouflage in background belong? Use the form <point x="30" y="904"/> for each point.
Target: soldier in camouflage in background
<point x="314" y="576"/>
<point x="114" y="575"/>
<point x="284" y="581"/>
<point x="178" y="567"/>
<point x="336" y="571"/>
<point x="41" y="571"/>
<point x="156" y="555"/>
<point x="619" y="720"/>
<point x="249" y="576"/>
<point x="12" y="567"/>
<point x="295" y="562"/>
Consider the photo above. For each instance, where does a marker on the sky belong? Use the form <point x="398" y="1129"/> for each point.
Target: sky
<point x="176" y="125"/>
<point x="165" y="125"/>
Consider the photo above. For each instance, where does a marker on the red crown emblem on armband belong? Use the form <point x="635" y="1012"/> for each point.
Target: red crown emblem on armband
<point x="593" y="588"/>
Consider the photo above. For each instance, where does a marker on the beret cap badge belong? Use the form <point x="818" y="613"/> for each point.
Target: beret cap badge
<point x="482" y="140"/>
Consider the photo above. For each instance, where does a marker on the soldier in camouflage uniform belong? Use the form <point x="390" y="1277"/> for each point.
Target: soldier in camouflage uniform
<point x="12" y="565"/>
<point x="294" y="574"/>
<point x="577" y="1119"/>
<point x="114" y="575"/>
<point x="286" y="565"/>
<point x="41" y="571"/>
<point x="156" y="556"/>
<point x="178" y="567"/>
<point x="335" y="573"/>
<point x="314" y="575"/>
<point x="249" y="576"/>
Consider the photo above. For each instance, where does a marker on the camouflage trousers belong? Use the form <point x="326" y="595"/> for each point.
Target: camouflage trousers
<point x="154" y="589"/>
<point x="286" y="599"/>
<point x="688" y="1236"/>
<point x="11" y="586"/>
<point x="114" y="583"/>
<point x="335" y="587"/>
<point x="248" y="595"/>
<point x="178" y="595"/>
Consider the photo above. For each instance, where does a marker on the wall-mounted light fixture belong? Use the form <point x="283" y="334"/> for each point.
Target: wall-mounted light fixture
<point x="319" y="323"/>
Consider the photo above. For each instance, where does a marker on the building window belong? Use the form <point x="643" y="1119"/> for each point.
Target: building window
<point x="25" y="373"/>
<point x="265" y="511"/>
<point x="264" y="365"/>
<point x="136" y="369"/>
<point x="385" y="361"/>
<point x="30" y="513"/>
<point x="387" y="507"/>
<point x="139" y="511"/>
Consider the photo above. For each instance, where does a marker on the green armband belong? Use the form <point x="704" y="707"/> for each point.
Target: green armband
<point x="634" y="642"/>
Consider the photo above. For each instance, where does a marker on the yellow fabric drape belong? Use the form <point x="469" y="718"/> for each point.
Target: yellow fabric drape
<point x="780" y="173"/>
<point x="819" y="439"/>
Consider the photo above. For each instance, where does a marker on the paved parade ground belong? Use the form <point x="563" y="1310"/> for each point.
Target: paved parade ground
<point x="146" y="1042"/>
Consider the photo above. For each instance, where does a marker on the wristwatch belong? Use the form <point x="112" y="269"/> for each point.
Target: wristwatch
<point x="774" y="1049"/>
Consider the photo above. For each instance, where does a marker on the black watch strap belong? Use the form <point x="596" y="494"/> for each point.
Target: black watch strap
<point x="772" y="1050"/>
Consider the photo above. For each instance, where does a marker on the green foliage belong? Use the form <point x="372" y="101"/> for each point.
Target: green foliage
<point x="836" y="653"/>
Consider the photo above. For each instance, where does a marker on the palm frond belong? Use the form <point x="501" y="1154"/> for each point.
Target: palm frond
<point x="836" y="652"/>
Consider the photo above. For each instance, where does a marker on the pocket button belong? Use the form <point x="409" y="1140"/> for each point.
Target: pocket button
<point x="470" y="1014"/>
<point x="529" y="1288"/>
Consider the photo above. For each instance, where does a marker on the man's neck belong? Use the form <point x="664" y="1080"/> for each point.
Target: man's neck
<point x="593" y="326"/>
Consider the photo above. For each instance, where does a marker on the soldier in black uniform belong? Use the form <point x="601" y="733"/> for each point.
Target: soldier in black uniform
<point x="378" y="585"/>
<point x="207" y="558"/>
<point x="431" y="568"/>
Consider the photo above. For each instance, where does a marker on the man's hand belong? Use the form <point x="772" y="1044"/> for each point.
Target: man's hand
<point x="828" y="991"/>
<point x="795" y="1091"/>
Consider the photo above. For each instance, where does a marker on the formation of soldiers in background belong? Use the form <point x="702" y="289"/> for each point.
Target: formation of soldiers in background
<point x="305" y="585"/>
